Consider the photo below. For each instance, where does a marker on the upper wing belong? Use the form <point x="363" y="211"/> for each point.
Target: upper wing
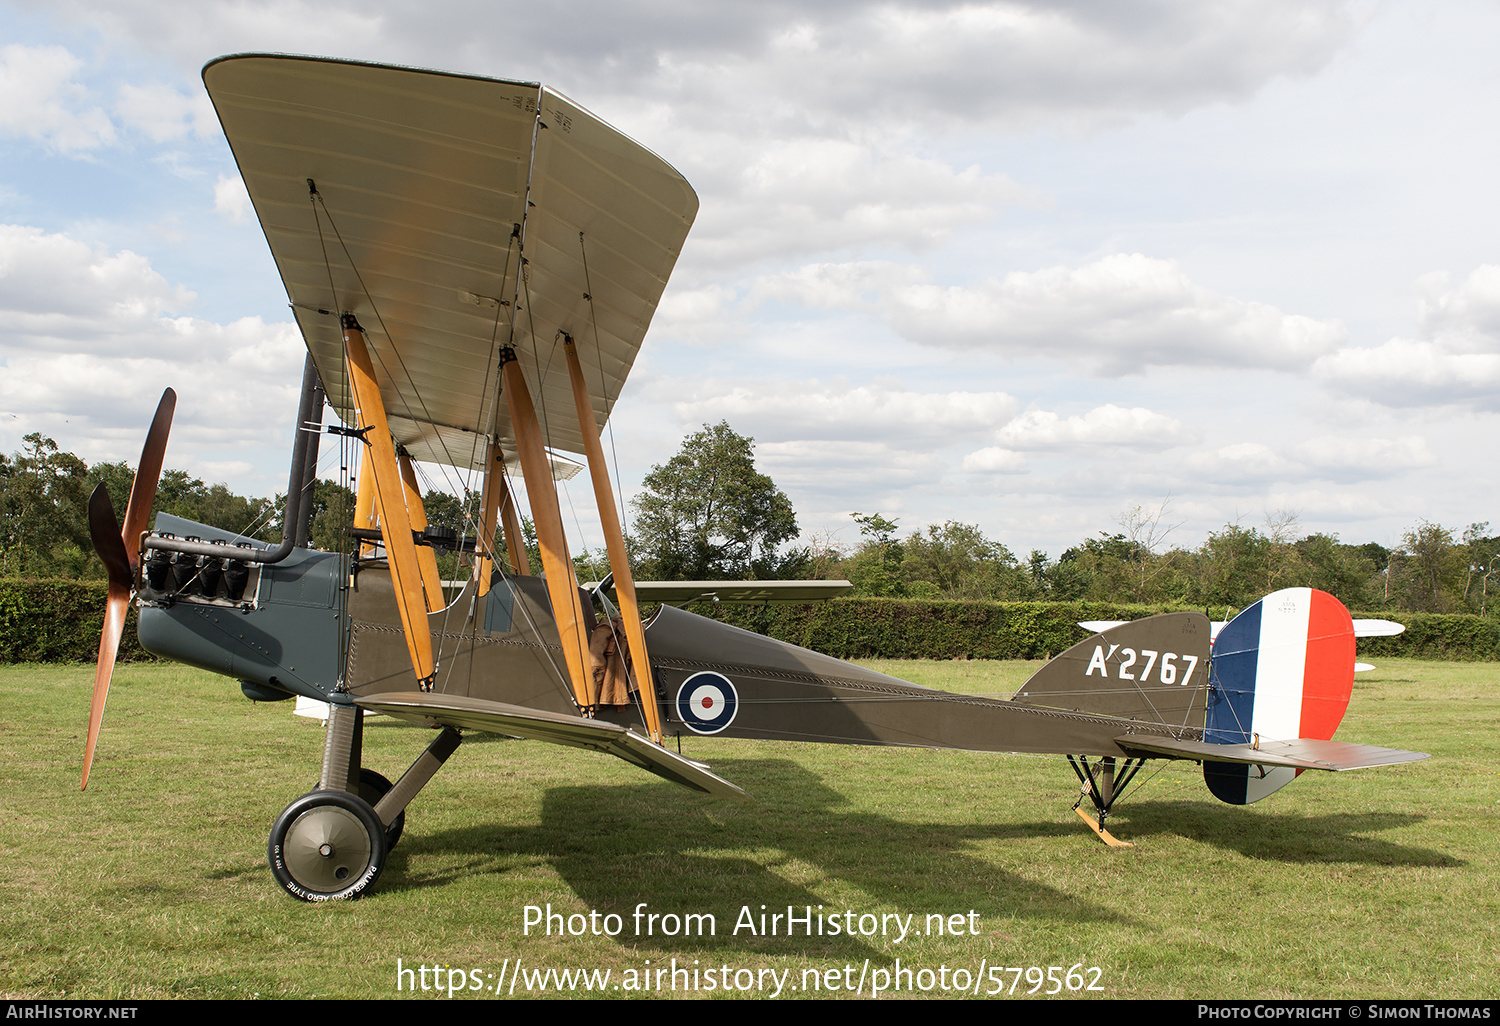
<point x="432" y="188"/>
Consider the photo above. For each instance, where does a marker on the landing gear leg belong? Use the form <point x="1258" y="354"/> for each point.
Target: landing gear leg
<point x="333" y="842"/>
<point x="330" y="844"/>
<point x="1102" y="785"/>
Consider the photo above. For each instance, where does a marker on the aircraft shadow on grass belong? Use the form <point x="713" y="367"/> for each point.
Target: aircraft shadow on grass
<point x="1295" y="838"/>
<point x="645" y="844"/>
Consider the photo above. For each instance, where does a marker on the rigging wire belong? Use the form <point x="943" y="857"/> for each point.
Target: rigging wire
<point x="609" y="400"/>
<point x="423" y="423"/>
<point x="619" y="498"/>
<point x="426" y="420"/>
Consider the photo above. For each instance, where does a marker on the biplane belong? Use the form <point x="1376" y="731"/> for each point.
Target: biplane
<point x="473" y="264"/>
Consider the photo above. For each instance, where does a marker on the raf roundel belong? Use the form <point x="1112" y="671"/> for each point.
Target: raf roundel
<point x="707" y="702"/>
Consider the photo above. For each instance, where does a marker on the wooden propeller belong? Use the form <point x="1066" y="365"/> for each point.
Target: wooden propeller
<point x="119" y="549"/>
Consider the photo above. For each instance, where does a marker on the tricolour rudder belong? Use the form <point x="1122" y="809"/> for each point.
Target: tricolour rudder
<point x="1282" y="670"/>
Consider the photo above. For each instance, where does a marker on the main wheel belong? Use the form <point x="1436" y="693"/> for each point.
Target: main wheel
<point x="327" y="845"/>
<point x="372" y="788"/>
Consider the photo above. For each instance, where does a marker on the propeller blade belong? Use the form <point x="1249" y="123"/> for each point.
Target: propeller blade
<point x="115" y="608"/>
<point x="104" y="529"/>
<point x="119" y="549"/>
<point x="147" y="474"/>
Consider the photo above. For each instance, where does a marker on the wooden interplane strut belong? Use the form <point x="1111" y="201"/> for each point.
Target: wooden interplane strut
<point x="614" y="542"/>
<point x="389" y="500"/>
<point x="562" y="586"/>
<point x="432" y="585"/>
<point x="364" y="505"/>
<point x="515" y="543"/>
<point x="498" y="505"/>
<point x="489" y="505"/>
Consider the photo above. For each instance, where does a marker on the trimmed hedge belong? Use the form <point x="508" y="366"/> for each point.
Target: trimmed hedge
<point x="929" y="629"/>
<point x="920" y="629"/>
<point x="1462" y="637"/>
<point x="55" y="621"/>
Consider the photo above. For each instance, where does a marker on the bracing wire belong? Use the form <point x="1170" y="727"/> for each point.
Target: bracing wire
<point x="609" y="401"/>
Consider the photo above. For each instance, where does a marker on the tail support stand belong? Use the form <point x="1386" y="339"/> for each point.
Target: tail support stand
<point x="1102" y="786"/>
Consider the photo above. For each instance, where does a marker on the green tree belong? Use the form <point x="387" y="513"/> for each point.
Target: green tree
<point x="1067" y="579"/>
<point x="332" y="516"/>
<point x="708" y="514"/>
<point x="957" y="561"/>
<point x="182" y="495"/>
<point x="1428" y="569"/>
<point x="1146" y="531"/>
<point x="1284" y="568"/>
<point x="1480" y="554"/>
<point x="43" y="511"/>
<point x="875" y="567"/>
<point x="1344" y="571"/>
<point x="1233" y="567"/>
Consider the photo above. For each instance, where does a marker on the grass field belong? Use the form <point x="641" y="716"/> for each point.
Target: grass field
<point x="154" y="883"/>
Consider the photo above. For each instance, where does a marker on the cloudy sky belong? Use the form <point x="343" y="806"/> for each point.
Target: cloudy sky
<point x="1024" y="265"/>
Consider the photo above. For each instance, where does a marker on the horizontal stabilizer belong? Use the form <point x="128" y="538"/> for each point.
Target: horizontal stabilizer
<point x="1362" y="628"/>
<point x="1303" y="753"/>
<point x="1377" y="628"/>
<point x="557" y="728"/>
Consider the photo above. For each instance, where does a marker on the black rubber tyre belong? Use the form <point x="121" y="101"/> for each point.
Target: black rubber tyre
<point x="372" y="788"/>
<point x="326" y="846"/>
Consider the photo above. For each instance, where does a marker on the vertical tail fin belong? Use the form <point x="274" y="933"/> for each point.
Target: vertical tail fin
<point x="1283" y="669"/>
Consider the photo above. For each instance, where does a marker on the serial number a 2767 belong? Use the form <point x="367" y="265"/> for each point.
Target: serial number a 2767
<point x="1169" y="667"/>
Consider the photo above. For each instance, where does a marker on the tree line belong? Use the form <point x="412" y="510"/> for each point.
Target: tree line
<point x="1433" y="569"/>
<point x="709" y="514"/>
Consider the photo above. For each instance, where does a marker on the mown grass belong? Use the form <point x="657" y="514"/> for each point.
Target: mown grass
<point x="154" y="883"/>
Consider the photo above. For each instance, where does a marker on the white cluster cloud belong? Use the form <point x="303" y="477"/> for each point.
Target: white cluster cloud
<point x="853" y="158"/>
<point x="1241" y="462"/>
<point x="163" y="113"/>
<point x="90" y="337"/>
<point x="1454" y="359"/>
<point x="60" y="294"/>
<point x="1119" y="315"/>
<point x="1116" y="316"/>
<point x="1107" y="426"/>
<point x="1339" y="458"/>
<point x="231" y="199"/>
<point x="785" y="63"/>
<point x="1364" y="457"/>
<point x="774" y="197"/>
<point x="999" y="63"/>
<point x="995" y="459"/>
<point x="838" y="469"/>
<point x="41" y="99"/>
<point x="814" y="411"/>
<point x="807" y="130"/>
